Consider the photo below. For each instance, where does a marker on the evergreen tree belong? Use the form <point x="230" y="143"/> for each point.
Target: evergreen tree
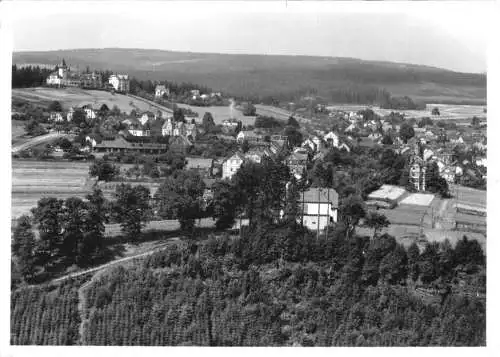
<point x="23" y="247"/>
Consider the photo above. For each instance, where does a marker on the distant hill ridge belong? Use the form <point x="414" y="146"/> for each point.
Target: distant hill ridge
<point x="275" y="75"/>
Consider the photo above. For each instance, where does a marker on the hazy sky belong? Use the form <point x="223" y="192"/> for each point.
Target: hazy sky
<point x="452" y="36"/>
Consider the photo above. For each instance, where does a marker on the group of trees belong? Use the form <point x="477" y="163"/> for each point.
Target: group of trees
<point x="29" y="76"/>
<point x="274" y="286"/>
<point x="402" y="103"/>
<point x="71" y="232"/>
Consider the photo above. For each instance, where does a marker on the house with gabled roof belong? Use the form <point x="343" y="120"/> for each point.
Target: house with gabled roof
<point x="231" y="165"/>
<point x="249" y="135"/>
<point x="203" y="166"/>
<point x="318" y="207"/>
<point x="56" y="117"/>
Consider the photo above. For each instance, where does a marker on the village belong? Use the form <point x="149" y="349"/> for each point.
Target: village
<point x="217" y="151"/>
<point x="214" y="175"/>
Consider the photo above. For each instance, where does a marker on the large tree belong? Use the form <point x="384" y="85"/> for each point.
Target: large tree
<point x="352" y="209"/>
<point x="55" y="106"/>
<point x="180" y="197"/>
<point x="72" y="237"/>
<point x="23" y="247"/>
<point x="376" y="221"/>
<point x="48" y="214"/>
<point x="225" y="204"/>
<point x="132" y="209"/>
<point x="97" y="216"/>
<point x="208" y="122"/>
<point x="406" y="132"/>
<point x="103" y="170"/>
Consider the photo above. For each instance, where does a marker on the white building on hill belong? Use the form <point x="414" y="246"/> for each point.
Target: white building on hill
<point x="120" y="82"/>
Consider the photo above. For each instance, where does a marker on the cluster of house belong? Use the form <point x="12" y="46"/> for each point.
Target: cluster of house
<point x="318" y="207"/>
<point x="162" y="91"/>
<point x="311" y="149"/>
<point x="63" y="76"/>
<point x="424" y="149"/>
<point x="58" y="117"/>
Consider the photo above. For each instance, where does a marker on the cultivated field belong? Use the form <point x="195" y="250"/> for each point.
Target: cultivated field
<point x="78" y="97"/>
<point x="32" y="180"/>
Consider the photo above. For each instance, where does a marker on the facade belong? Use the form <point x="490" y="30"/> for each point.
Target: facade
<point x="417" y="173"/>
<point x="201" y="165"/>
<point x="230" y="126"/>
<point x="191" y="131"/>
<point x="249" y="136"/>
<point x="120" y="82"/>
<point x="69" y="115"/>
<point x="332" y="139"/>
<point x="56" y="117"/>
<point x="297" y="162"/>
<point x="90" y="113"/>
<point x="231" y="165"/>
<point x="168" y="128"/>
<point x="255" y="155"/>
<point x="147" y="116"/>
<point x="319" y="207"/>
<point x="91" y="80"/>
<point x="161" y="91"/>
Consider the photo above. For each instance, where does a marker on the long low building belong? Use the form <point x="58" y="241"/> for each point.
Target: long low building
<point x="387" y="196"/>
<point x="120" y="145"/>
<point x="470" y="210"/>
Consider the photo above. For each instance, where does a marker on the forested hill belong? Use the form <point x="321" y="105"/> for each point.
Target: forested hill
<point x="279" y="76"/>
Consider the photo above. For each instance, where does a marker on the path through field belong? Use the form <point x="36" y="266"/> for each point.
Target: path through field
<point x="116" y="262"/>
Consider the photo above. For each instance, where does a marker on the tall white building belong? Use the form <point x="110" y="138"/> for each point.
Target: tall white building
<point x="120" y="82"/>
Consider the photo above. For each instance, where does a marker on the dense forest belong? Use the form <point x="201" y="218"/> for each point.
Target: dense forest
<point x="45" y="315"/>
<point x="29" y="76"/>
<point x="273" y="286"/>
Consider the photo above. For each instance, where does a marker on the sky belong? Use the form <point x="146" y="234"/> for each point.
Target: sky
<point x="447" y="35"/>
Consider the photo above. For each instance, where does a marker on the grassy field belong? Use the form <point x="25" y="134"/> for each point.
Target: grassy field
<point x="219" y="114"/>
<point x="447" y="111"/>
<point x="78" y="97"/>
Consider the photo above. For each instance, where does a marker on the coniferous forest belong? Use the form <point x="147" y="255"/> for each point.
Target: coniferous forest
<point x="271" y="286"/>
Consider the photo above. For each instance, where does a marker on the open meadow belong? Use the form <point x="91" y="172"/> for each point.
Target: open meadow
<point x="219" y="113"/>
<point x="69" y="97"/>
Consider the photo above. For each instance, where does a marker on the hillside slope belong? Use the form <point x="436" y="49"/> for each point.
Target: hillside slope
<point x="262" y="75"/>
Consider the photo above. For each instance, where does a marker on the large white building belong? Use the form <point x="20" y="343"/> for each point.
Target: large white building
<point x="161" y="90"/>
<point x="120" y="82"/>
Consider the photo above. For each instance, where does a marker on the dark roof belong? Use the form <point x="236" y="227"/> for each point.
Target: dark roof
<point x="121" y="143"/>
<point x="321" y="195"/>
